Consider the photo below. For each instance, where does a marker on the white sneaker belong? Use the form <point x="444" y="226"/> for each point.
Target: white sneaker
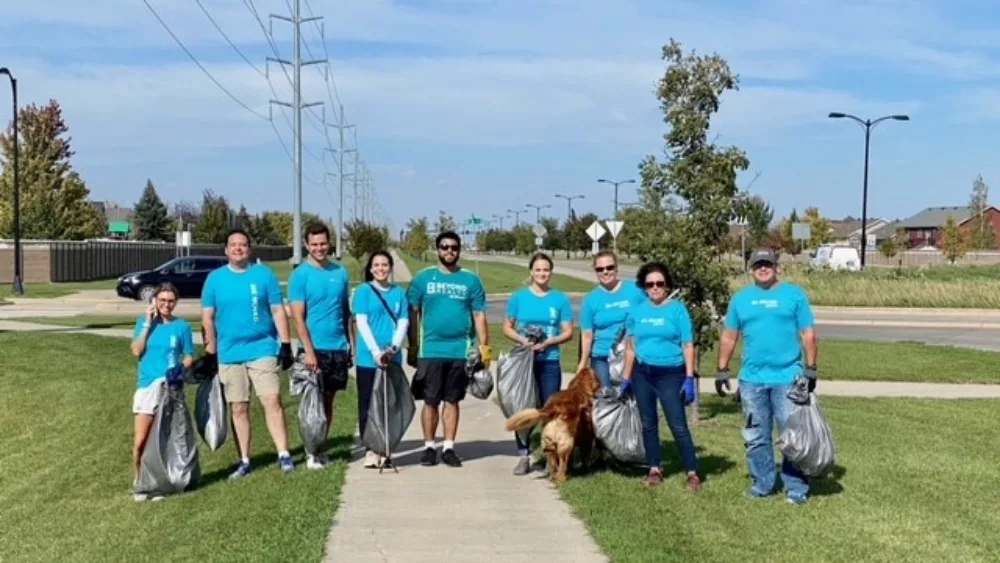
<point x="140" y="497"/>
<point x="314" y="462"/>
<point x="372" y="460"/>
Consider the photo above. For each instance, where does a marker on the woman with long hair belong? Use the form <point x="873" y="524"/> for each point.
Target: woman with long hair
<point x="539" y="305"/>
<point x="164" y="345"/>
<point x="381" y="321"/>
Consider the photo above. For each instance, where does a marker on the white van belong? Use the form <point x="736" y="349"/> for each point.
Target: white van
<point x="837" y="257"/>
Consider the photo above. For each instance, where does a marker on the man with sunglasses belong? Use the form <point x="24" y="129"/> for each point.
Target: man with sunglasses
<point x="447" y="311"/>
<point x="776" y="322"/>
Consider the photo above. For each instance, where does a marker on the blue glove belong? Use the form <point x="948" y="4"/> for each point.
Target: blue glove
<point x="625" y="387"/>
<point x="687" y="391"/>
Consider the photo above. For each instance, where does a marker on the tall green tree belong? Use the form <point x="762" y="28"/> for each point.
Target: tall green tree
<point x="953" y="240"/>
<point x="243" y="219"/>
<point x="262" y="231"/>
<point x="982" y="235"/>
<point x="55" y="201"/>
<point x="576" y="232"/>
<point x="417" y="240"/>
<point x="819" y="227"/>
<point x="554" y="236"/>
<point x="364" y="238"/>
<point x="152" y="219"/>
<point x="445" y="222"/>
<point x="284" y="225"/>
<point x="688" y="200"/>
<point x="185" y="215"/>
<point x="214" y="220"/>
<point x="757" y="214"/>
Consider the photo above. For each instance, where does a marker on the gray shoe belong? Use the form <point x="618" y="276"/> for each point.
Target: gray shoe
<point x="523" y="466"/>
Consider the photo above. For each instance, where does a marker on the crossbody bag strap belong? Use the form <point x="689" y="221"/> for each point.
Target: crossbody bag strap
<point x="378" y="293"/>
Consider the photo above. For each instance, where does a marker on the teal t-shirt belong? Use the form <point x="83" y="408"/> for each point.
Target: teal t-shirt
<point x="547" y="311"/>
<point x="166" y="346"/>
<point x="324" y="291"/>
<point x="242" y="301"/>
<point x="659" y="332"/>
<point x="366" y="302"/>
<point x="604" y="313"/>
<point x="770" y="321"/>
<point x="446" y="301"/>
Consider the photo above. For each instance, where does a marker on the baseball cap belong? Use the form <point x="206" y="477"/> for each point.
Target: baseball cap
<point x="763" y="255"/>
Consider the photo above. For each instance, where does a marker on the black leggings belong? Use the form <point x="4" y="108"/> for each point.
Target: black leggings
<point x="365" y="378"/>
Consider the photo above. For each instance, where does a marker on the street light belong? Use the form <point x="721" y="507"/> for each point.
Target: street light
<point x="868" y="124"/>
<point x="500" y="218"/>
<point x="517" y="216"/>
<point x="538" y="211"/>
<point x="18" y="278"/>
<point x="569" y="215"/>
<point x="616" y="184"/>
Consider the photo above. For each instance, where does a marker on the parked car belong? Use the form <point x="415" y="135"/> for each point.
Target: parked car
<point x="188" y="275"/>
<point x="836" y="257"/>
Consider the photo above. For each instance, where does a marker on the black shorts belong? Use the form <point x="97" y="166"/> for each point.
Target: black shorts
<point x="333" y="368"/>
<point x="440" y="380"/>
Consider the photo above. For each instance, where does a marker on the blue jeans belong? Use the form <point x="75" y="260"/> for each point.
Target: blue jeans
<point x="602" y="369"/>
<point x="650" y="383"/>
<point x="548" y="377"/>
<point x="763" y="405"/>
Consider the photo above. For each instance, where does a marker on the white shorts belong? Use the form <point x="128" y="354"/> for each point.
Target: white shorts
<point x="147" y="399"/>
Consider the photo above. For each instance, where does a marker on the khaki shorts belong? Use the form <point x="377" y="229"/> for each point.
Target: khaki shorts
<point x="237" y="378"/>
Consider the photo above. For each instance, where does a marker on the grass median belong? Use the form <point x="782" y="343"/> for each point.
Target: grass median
<point x="65" y="469"/>
<point x="504" y="278"/>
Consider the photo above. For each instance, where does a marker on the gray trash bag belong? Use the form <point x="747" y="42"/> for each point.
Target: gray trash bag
<point x="312" y="418"/>
<point x="169" y="463"/>
<point x="616" y="357"/>
<point x="618" y="426"/>
<point x="516" y="386"/>
<point x="807" y="441"/>
<point x="480" y="379"/>
<point x="390" y="412"/>
<point x="211" y="413"/>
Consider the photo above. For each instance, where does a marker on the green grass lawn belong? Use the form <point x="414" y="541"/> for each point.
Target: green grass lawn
<point x="65" y="469"/>
<point x="51" y="290"/>
<point x="913" y="482"/>
<point x="505" y="278"/>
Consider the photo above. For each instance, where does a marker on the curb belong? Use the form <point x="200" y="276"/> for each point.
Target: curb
<point x="908" y="324"/>
<point x="906" y="310"/>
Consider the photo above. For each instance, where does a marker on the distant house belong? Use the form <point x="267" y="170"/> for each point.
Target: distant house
<point x="848" y="231"/>
<point x="119" y="219"/>
<point x="925" y="228"/>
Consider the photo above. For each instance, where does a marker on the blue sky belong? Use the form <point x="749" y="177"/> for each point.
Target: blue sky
<point x="484" y="105"/>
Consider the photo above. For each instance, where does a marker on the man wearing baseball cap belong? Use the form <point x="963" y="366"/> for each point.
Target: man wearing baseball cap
<point x="776" y="322"/>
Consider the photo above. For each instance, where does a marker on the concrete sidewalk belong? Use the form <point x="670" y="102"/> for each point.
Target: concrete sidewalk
<point x="400" y="271"/>
<point x="480" y="512"/>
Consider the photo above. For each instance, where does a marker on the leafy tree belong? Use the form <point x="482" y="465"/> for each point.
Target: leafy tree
<point x="55" y="201"/>
<point x="577" y="238"/>
<point x="152" y="221"/>
<point x="789" y="244"/>
<point x="554" y="236"/>
<point x="819" y="227"/>
<point x="284" y="225"/>
<point x="244" y="220"/>
<point x="262" y="231"/>
<point x="445" y="222"/>
<point x="888" y="248"/>
<point x="688" y="200"/>
<point x="981" y="225"/>
<point x="953" y="242"/>
<point x="757" y="214"/>
<point x="214" y="220"/>
<point x="417" y="239"/>
<point x="524" y="238"/>
<point x="364" y="238"/>
<point x="185" y="215"/>
<point x="495" y="240"/>
<point x="630" y="216"/>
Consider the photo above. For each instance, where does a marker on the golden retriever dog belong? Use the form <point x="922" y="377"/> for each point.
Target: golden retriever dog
<point x="568" y="423"/>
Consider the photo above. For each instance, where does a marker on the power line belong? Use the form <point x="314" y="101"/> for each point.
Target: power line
<point x="202" y="67"/>
<point x="226" y="37"/>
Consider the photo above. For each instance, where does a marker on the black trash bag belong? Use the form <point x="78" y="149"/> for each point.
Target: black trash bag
<point x="516" y="386"/>
<point x="312" y="418"/>
<point x="618" y="425"/>
<point x="390" y="412"/>
<point x="169" y="463"/>
<point x="480" y="379"/>
<point x="616" y="357"/>
<point x="211" y="411"/>
<point x="807" y="441"/>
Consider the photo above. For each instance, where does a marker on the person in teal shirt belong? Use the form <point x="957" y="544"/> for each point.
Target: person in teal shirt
<point x="164" y="345"/>
<point x="659" y="365"/>
<point x="319" y="294"/>
<point x="776" y="322"/>
<point x="549" y="309"/>
<point x="603" y="313"/>
<point x="448" y="310"/>
<point x="382" y="316"/>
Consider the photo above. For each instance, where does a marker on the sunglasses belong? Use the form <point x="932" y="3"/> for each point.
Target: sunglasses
<point x="447" y="247"/>
<point x="602" y="269"/>
<point x="652" y="284"/>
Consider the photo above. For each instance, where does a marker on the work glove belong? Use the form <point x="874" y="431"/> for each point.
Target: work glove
<point x="811" y="375"/>
<point x="486" y="355"/>
<point x="688" y="390"/>
<point x="722" y="381"/>
<point x="285" y="357"/>
<point x="625" y="386"/>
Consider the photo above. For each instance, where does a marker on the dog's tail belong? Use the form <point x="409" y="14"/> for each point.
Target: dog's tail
<point x="523" y="419"/>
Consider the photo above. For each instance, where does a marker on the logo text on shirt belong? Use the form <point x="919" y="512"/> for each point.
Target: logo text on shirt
<point x="451" y="290"/>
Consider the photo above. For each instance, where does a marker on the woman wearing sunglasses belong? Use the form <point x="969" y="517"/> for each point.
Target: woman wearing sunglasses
<point x="602" y="315"/>
<point x="659" y="365"/>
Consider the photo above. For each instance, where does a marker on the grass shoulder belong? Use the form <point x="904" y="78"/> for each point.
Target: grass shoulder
<point x="499" y="277"/>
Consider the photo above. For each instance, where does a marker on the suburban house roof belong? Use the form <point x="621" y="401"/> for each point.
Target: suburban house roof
<point x="850" y="227"/>
<point x="934" y="217"/>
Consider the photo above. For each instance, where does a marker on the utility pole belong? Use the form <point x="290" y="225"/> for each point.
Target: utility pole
<point x="357" y="158"/>
<point x="297" y="106"/>
<point x="517" y="216"/>
<point x="616" y="184"/>
<point x="340" y="164"/>
<point x="18" y="274"/>
<point x="569" y="215"/>
<point x="538" y="211"/>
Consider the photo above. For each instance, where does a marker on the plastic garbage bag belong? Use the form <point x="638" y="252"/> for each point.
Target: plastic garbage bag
<point x="616" y="357"/>
<point x="169" y="463"/>
<point x="211" y="411"/>
<point x="480" y="379"/>
<point x="618" y="426"/>
<point x="807" y="441"/>
<point x="390" y="412"/>
<point x="516" y="386"/>
<point x="312" y="418"/>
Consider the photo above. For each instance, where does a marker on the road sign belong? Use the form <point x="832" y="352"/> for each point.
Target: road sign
<point x="595" y="231"/>
<point x="538" y="241"/>
<point x="614" y="227"/>
<point x="801" y="231"/>
<point x="595" y="247"/>
<point x="183" y="238"/>
<point x="539" y="231"/>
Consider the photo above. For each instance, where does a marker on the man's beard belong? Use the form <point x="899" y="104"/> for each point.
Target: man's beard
<point x="445" y="261"/>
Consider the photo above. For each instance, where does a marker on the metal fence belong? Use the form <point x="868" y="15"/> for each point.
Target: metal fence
<point x="100" y="260"/>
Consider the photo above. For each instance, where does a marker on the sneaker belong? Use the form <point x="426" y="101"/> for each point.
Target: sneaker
<point x="315" y="462"/>
<point x="753" y="493"/>
<point x="654" y="478"/>
<point x="371" y="460"/>
<point x="156" y="498"/>
<point x="451" y="459"/>
<point x="140" y="497"/>
<point x="523" y="466"/>
<point x="795" y="500"/>
<point x="241" y="471"/>
<point x="693" y="483"/>
<point x="286" y="463"/>
<point x="429" y="458"/>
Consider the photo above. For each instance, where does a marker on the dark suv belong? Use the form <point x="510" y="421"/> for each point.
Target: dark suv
<point x="187" y="274"/>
